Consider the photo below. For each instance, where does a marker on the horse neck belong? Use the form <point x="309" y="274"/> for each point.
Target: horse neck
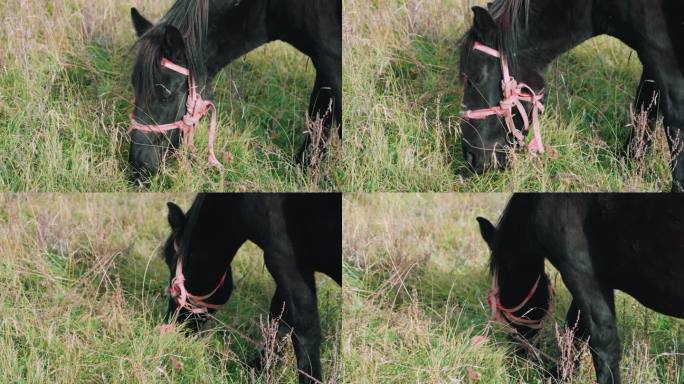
<point x="235" y="28"/>
<point x="554" y="27"/>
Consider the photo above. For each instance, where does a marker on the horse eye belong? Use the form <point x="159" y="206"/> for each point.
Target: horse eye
<point x="477" y="79"/>
<point x="165" y="94"/>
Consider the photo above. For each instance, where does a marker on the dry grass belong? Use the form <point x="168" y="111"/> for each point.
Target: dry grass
<point x="83" y="299"/>
<point x="415" y="283"/>
<point x="65" y="98"/>
<point x="403" y="96"/>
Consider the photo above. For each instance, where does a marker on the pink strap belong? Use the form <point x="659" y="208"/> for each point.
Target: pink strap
<point x="483" y="48"/>
<point x="507" y="316"/>
<point x="185" y="299"/>
<point x="174" y="67"/>
<point x="499" y="312"/>
<point x="196" y="108"/>
<point x="513" y="94"/>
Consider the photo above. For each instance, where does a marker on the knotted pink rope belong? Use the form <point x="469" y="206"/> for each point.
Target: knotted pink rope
<point x="500" y="313"/>
<point x="514" y="94"/>
<point x="185" y="299"/>
<point x="506" y="315"/>
<point x="196" y="108"/>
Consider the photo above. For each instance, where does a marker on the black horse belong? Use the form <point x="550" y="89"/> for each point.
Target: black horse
<point x="531" y="33"/>
<point x="205" y="36"/>
<point x="299" y="233"/>
<point x="598" y="243"/>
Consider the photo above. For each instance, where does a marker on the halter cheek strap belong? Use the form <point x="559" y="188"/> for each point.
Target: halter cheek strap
<point x="195" y="107"/>
<point x="185" y="299"/>
<point x="514" y="94"/>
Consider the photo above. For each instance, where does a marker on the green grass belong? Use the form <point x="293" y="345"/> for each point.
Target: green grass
<point x="415" y="284"/>
<point x="65" y="99"/>
<point x="403" y="97"/>
<point x="83" y="299"/>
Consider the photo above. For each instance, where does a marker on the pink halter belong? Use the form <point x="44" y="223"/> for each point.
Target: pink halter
<point x="185" y="299"/>
<point x="513" y="94"/>
<point x="501" y="313"/>
<point x="196" y="108"/>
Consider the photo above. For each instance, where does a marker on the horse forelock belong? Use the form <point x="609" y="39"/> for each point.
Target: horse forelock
<point x="178" y="245"/>
<point x="146" y="72"/>
<point x="511" y="17"/>
<point x="190" y="17"/>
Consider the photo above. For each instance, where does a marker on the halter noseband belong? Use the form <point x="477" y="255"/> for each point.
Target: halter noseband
<point x="185" y="299"/>
<point x="501" y="313"/>
<point x="513" y="94"/>
<point x="196" y="108"/>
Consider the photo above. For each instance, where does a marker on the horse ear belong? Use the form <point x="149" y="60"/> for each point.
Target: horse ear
<point x="140" y="23"/>
<point x="174" y="46"/>
<point x="484" y="25"/>
<point x="176" y="217"/>
<point x="487" y="230"/>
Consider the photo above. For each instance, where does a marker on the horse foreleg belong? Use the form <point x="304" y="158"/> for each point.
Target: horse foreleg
<point x="674" y="128"/>
<point x="675" y="139"/>
<point x="306" y="330"/>
<point x="597" y="316"/>
<point x="325" y="111"/>
<point x="297" y="289"/>
<point x="670" y="80"/>
<point x="672" y="93"/>
<point x="646" y="109"/>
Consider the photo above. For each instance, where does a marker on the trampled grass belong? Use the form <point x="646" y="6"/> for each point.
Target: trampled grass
<point x="403" y="97"/>
<point x="82" y="299"/>
<point x="65" y="96"/>
<point x="415" y="286"/>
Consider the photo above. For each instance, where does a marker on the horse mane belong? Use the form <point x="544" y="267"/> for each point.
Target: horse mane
<point x="191" y="217"/>
<point x="511" y="222"/>
<point x="190" y="17"/>
<point x="511" y="16"/>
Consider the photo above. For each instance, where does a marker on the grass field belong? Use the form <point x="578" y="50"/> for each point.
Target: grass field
<point x="403" y="97"/>
<point x="415" y="283"/>
<point x="65" y="96"/>
<point x="82" y="299"/>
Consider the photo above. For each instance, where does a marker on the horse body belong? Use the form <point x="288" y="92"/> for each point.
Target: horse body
<point x="213" y="33"/>
<point x="638" y="253"/>
<point x="532" y="33"/>
<point x="299" y="233"/>
<point x="598" y="243"/>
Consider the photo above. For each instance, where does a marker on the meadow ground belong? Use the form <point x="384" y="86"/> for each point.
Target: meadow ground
<point x="402" y="100"/>
<point x="82" y="299"/>
<point x="415" y="286"/>
<point x="65" y="97"/>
